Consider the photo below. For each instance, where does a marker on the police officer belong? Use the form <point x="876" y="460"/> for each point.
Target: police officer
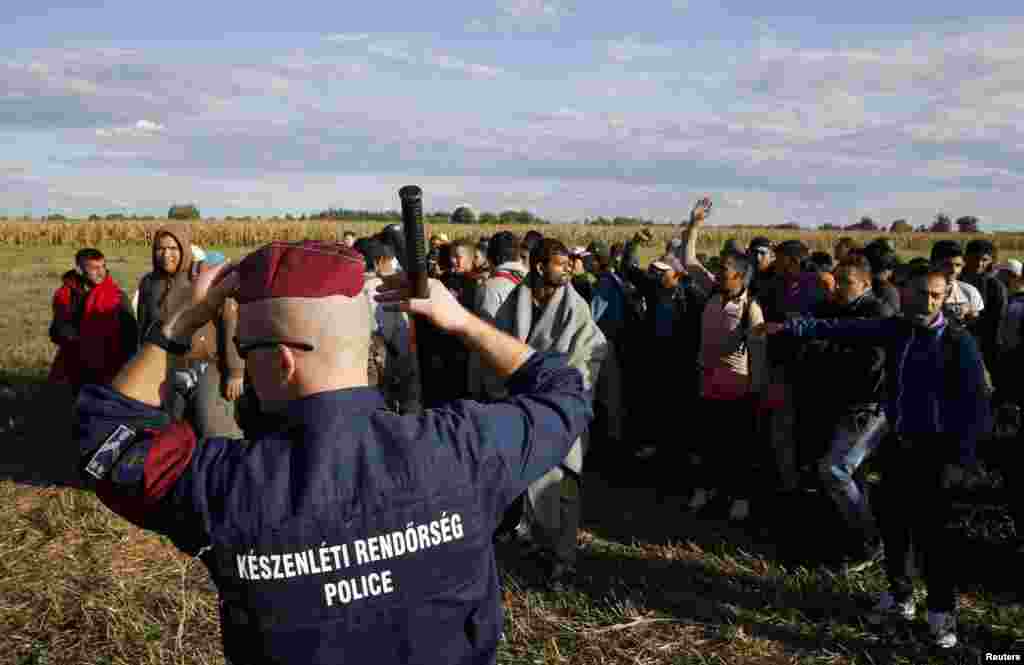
<point x="348" y="533"/>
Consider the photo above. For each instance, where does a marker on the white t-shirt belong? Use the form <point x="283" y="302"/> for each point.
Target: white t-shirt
<point x="961" y="297"/>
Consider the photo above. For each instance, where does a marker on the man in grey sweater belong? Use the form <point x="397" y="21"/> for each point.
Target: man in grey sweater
<point x="508" y="273"/>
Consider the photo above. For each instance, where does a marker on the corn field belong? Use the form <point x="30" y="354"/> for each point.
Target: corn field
<point x="211" y="233"/>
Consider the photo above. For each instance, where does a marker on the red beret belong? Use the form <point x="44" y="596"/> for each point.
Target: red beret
<point x="306" y="269"/>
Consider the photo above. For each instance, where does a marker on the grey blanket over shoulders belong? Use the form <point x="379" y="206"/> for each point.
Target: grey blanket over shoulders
<point x="565" y="326"/>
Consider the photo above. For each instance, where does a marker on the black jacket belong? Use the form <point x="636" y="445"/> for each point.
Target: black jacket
<point x="986" y="327"/>
<point x="762" y="278"/>
<point x="887" y="293"/>
<point x="688" y="301"/>
<point x="852" y="376"/>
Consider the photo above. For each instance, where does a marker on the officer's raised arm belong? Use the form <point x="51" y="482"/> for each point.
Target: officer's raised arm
<point x="532" y="431"/>
<point x="504" y="353"/>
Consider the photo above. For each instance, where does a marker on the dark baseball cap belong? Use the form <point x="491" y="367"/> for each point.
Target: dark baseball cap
<point x="946" y="249"/>
<point x="731" y="246"/>
<point x="759" y="242"/>
<point x="793" y="248"/>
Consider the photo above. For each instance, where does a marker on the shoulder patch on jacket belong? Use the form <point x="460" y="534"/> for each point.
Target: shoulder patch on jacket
<point x="106" y="456"/>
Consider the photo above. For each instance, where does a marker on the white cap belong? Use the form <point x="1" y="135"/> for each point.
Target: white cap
<point x="1013" y="266"/>
<point x="669" y="262"/>
<point x="579" y="250"/>
<point x="198" y="254"/>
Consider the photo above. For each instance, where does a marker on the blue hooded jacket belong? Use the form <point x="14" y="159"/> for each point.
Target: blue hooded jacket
<point x="924" y="398"/>
<point x="608" y="304"/>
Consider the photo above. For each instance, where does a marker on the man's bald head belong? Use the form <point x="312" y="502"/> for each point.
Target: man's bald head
<point x="304" y="319"/>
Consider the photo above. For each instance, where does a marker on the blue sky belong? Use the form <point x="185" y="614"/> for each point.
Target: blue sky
<point x="784" y="111"/>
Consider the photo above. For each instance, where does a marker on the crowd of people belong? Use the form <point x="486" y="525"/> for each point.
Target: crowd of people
<point x="802" y="365"/>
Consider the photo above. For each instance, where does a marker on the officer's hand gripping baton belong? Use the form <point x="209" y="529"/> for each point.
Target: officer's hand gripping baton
<point x="415" y="263"/>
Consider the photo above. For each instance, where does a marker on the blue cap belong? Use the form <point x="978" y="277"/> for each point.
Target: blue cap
<point x="214" y="258"/>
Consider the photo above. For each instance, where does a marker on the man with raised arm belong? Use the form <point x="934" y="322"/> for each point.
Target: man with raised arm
<point x="348" y="534"/>
<point x="937" y="409"/>
<point x="732" y="367"/>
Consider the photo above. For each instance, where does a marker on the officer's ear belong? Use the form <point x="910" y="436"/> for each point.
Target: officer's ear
<point x="284" y="364"/>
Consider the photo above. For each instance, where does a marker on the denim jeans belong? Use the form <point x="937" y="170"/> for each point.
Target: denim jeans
<point x="857" y="436"/>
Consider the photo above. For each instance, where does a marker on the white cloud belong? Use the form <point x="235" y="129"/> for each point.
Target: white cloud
<point x="627" y="50"/>
<point x="344" y="38"/>
<point x="82" y="87"/>
<point x="115" y="53"/>
<point x="533" y="9"/>
<point x="141" y="129"/>
<point x="402" y="52"/>
<point x="392" y="50"/>
<point x="473" y="69"/>
<point x="149" y="126"/>
<point x="524" y="15"/>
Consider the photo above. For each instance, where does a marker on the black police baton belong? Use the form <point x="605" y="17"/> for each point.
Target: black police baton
<point x="415" y="264"/>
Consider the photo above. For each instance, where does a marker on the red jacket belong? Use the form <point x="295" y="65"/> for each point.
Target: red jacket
<point x="94" y="332"/>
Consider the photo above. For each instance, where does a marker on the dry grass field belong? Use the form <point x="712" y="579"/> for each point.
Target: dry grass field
<point x="79" y="585"/>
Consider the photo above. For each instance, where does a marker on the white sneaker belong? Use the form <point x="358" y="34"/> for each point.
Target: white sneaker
<point x="700" y="498"/>
<point x="740" y="510"/>
<point x="522" y="532"/>
<point x="942" y="626"/>
<point x="887" y="608"/>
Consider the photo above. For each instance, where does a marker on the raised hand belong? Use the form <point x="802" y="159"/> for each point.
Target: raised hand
<point x="701" y="210"/>
<point x="191" y="309"/>
<point x="643" y="237"/>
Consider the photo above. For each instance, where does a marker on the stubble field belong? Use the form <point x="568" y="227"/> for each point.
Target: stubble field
<point x="80" y="585"/>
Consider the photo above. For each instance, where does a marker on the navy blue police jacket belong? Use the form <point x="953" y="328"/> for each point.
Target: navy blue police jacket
<point x="351" y="534"/>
